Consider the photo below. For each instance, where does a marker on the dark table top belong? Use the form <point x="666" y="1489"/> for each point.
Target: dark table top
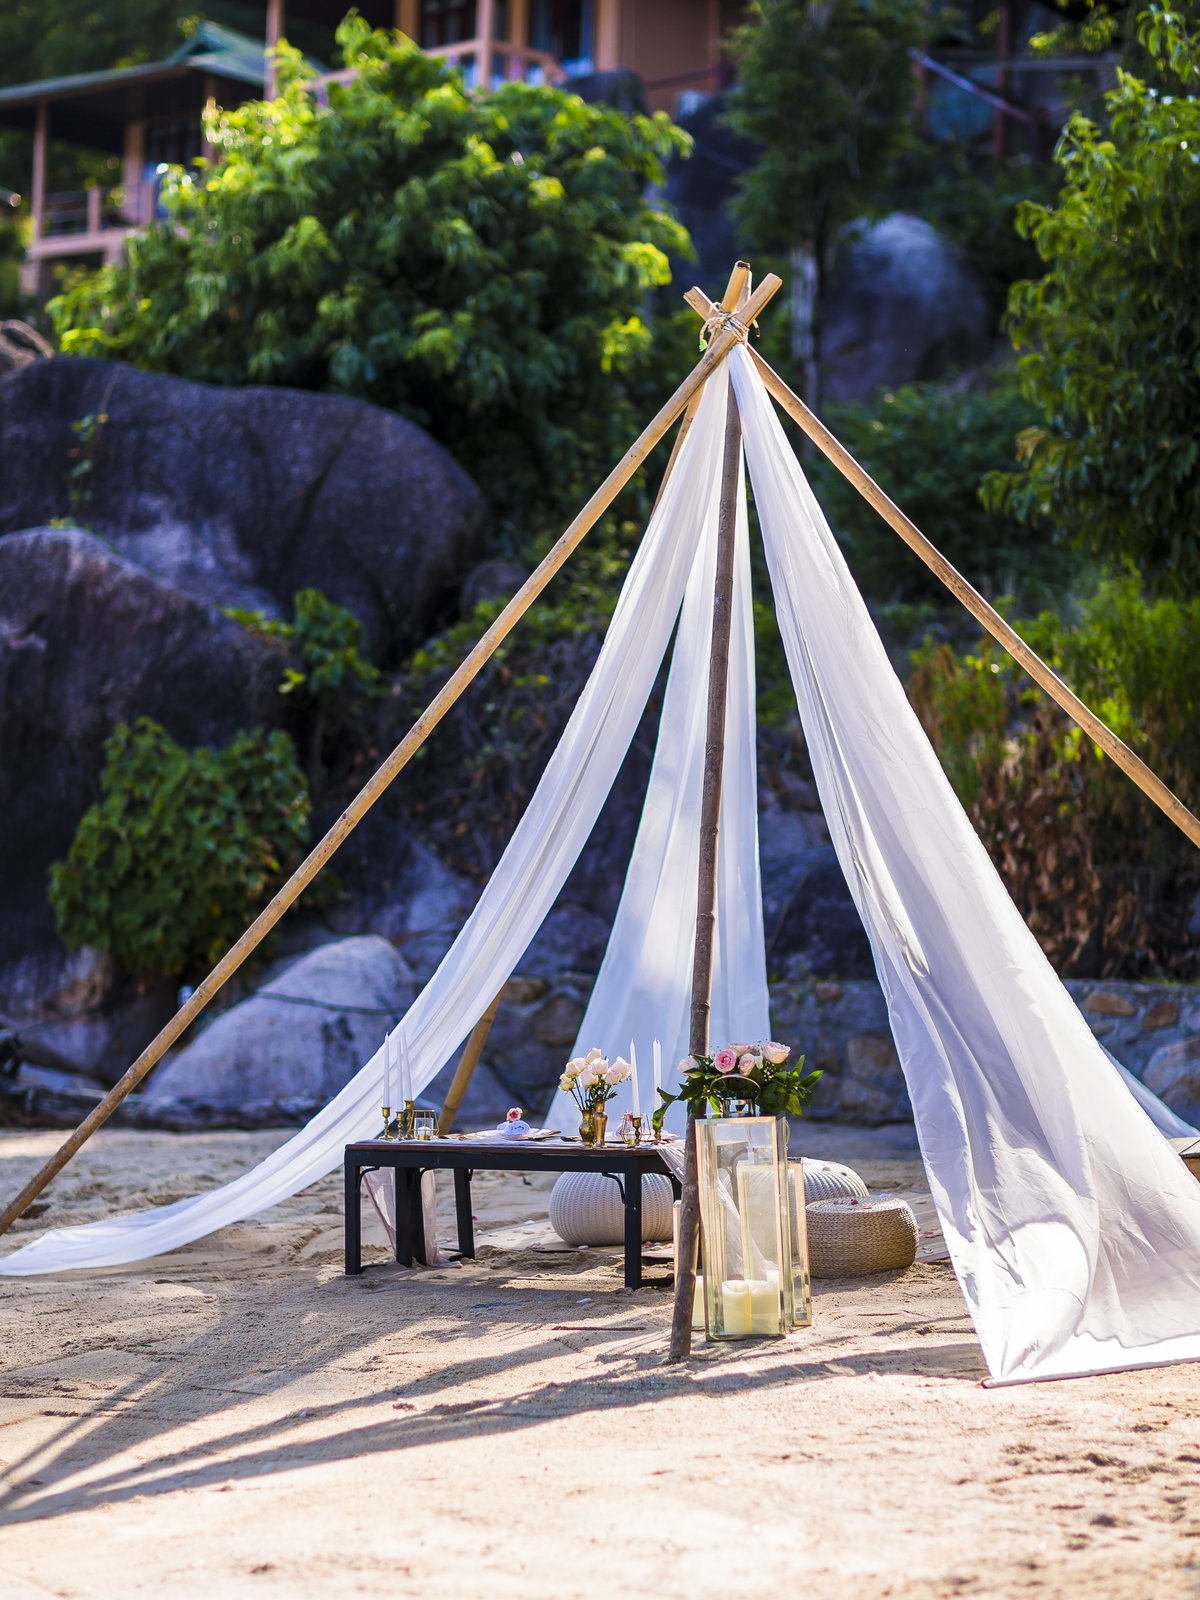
<point x="547" y="1155"/>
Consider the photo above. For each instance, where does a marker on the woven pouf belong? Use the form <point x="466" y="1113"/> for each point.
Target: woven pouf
<point x="830" y="1180"/>
<point x="850" y="1237"/>
<point x="587" y="1208"/>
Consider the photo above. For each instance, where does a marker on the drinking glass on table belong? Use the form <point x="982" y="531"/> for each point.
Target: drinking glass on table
<point x="425" y="1124"/>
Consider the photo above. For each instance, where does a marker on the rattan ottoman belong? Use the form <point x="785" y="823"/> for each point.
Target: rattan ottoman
<point x="847" y="1237"/>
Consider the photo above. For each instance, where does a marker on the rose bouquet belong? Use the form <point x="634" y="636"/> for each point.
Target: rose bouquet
<point x="592" y="1081"/>
<point x="756" y="1074"/>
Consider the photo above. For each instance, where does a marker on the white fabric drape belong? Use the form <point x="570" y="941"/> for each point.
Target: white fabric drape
<point x="643" y="990"/>
<point x="1073" y="1227"/>
<point x="524" y="886"/>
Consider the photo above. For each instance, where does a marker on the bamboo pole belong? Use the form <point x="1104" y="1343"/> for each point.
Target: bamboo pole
<point x="986" y="615"/>
<point x="467" y="1063"/>
<point x="454" y="686"/>
<point x="706" y="898"/>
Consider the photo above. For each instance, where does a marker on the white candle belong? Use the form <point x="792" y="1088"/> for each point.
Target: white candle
<point x="735" y="1308"/>
<point x="657" y="1071"/>
<point x="637" y="1102"/>
<point x="387" y="1069"/>
<point x="765" y="1306"/>
<point x="405" y="1070"/>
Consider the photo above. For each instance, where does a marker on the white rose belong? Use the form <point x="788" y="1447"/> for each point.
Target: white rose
<point x="588" y="1077"/>
<point x="566" y="1083"/>
<point x="618" y="1072"/>
<point x="594" y="1055"/>
<point x="573" y="1068"/>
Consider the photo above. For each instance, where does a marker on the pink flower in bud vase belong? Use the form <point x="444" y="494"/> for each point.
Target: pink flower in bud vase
<point x="725" y="1061"/>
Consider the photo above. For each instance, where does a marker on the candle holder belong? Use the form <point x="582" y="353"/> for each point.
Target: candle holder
<point x="387" y="1122"/>
<point x="754" y="1238"/>
<point x="410" y="1112"/>
<point x="637" y="1129"/>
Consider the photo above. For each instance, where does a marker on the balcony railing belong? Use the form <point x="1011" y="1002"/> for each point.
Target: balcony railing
<point x="500" y="63"/>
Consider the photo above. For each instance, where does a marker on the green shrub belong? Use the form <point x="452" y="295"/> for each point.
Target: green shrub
<point x="1104" y="880"/>
<point x="182" y="850"/>
<point x="327" y="675"/>
<point x="929" y="446"/>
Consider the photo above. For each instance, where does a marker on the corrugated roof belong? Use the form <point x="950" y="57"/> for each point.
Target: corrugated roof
<point x="210" y="49"/>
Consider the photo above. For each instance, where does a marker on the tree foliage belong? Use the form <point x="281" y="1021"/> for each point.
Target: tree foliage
<point x="477" y="263"/>
<point x="930" y="446"/>
<point x="1112" y="331"/>
<point x="182" y="850"/>
<point x="825" y="91"/>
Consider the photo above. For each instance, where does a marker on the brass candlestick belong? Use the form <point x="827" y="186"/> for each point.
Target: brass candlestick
<point x="410" y="1111"/>
<point x="637" y="1129"/>
<point x="387" y="1117"/>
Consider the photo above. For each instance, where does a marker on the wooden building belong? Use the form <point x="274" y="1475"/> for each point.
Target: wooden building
<point x="151" y="116"/>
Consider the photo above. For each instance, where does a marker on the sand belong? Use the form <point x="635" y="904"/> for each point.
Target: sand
<point x="239" y="1418"/>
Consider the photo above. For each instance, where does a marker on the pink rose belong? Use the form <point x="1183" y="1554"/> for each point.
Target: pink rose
<point x="747" y="1062"/>
<point x="514" y="1114"/>
<point x="725" y="1061"/>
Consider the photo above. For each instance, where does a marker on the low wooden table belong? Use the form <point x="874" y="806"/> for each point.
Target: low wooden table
<point x="411" y="1158"/>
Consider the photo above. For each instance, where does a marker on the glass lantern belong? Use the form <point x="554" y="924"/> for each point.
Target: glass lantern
<point x="753" y="1235"/>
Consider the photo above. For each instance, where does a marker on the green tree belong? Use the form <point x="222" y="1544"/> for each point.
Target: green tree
<point x="182" y="850"/>
<point x="826" y="91"/>
<point x="479" y="264"/>
<point x="1112" y="331"/>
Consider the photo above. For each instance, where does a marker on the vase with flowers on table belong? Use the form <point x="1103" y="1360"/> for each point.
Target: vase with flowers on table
<point x="592" y="1081"/>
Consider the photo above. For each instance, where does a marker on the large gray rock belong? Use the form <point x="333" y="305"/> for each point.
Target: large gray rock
<point x="88" y="640"/>
<point x="1173" y="1073"/>
<point x="243" y="496"/>
<point x="817" y="928"/>
<point x="900" y="307"/>
<point x="291" y="1047"/>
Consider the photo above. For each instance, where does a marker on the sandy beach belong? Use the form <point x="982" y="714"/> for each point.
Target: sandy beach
<point x="238" y="1418"/>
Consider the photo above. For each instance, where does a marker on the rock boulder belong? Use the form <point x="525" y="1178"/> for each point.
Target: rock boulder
<point x="243" y="496"/>
<point x="88" y="640"/>
<point x="287" y="1050"/>
<point x="900" y="307"/>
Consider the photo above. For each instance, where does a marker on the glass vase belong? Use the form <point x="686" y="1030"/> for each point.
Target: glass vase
<point x="754" y="1240"/>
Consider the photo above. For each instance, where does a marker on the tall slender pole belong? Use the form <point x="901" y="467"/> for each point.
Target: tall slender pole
<point x="401" y="755"/>
<point x="706" y="898"/>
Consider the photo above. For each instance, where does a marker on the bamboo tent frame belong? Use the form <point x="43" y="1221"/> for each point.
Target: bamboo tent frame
<point x="729" y="323"/>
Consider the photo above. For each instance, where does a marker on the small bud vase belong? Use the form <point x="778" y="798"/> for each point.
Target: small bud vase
<point x="592" y="1127"/>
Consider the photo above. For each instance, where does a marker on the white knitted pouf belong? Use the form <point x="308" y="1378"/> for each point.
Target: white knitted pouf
<point x="587" y="1208"/>
<point x="830" y="1180"/>
<point x="849" y="1237"/>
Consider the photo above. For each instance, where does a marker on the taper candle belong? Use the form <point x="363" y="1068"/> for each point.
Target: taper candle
<point x="637" y="1101"/>
<point x="406" y="1093"/>
<point x="657" y="1071"/>
<point x="387" y="1069"/>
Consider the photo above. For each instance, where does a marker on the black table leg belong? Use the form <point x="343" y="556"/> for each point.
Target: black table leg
<point x="633" y="1228"/>
<point x="353" y="1219"/>
<point x="410" y="1217"/>
<point x="462" y="1207"/>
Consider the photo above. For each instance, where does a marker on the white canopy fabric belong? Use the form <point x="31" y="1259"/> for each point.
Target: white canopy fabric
<point x="1073" y="1227"/>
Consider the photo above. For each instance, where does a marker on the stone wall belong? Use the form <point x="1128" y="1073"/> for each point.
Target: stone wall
<point x="1153" y="1029"/>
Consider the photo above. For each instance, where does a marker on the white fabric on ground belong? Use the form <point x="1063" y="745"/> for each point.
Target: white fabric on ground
<point x="1073" y="1227"/>
<point x="524" y="886"/>
<point x="644" y="987"/>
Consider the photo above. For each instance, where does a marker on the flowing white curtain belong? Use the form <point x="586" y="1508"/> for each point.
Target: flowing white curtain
<point x="644" y="987"/>
<point x="524" y="886"/>
<point x="1073" y="1227"/>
